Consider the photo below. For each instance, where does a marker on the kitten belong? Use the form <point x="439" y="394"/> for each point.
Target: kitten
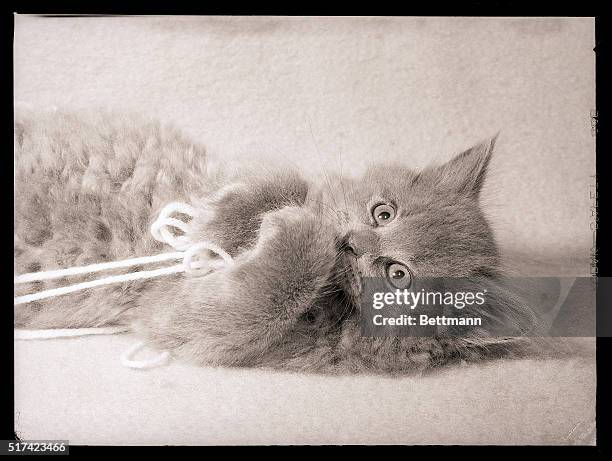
<point x="87" y="190"/>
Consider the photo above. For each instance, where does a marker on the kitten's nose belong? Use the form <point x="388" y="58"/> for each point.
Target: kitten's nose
<point x="360" y="242"/>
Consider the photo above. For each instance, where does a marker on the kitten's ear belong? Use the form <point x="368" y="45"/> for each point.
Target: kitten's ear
<point x="467" y="171"/>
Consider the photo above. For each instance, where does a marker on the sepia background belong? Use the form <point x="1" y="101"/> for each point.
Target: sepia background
<point x="333" y="94"/>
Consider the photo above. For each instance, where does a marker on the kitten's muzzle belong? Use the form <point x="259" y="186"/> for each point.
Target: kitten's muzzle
<point x="360" y="242"/>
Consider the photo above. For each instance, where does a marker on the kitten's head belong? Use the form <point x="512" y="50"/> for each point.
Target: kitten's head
<point x="401" y="224"/>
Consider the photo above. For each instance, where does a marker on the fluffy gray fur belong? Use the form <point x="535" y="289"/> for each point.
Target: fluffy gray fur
<point x="88" y="188"/>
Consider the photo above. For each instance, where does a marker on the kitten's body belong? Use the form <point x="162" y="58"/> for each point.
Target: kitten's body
<point x="87" y="191"/>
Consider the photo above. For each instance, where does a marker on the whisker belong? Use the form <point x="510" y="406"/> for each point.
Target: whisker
<point x="341" y="179"/>
<point x="318" y="152"/>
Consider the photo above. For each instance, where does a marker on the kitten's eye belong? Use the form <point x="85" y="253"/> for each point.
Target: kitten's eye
<point x="383" y="214"/>
<point x="399" y="275"/>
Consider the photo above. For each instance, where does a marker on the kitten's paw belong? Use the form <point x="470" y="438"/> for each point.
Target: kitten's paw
<point x="281" y="222"/>
<point x="298" y="235"/>
<point x="231" y="217"/>
<point x="224" y="219"/>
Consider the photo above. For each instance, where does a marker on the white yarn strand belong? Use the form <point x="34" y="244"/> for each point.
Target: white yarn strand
<point x="98" y="267"/>
<point x="159" y="228"/>
<point x="25" y="335"/>
<point x="127" y="359"/>
<point x="178" y="207"/>
<point x="99" y="282"/>
<point x="191" y="267"/>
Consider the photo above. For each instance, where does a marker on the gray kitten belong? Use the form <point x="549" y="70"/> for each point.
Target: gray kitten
<point x="88" y="188"/>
